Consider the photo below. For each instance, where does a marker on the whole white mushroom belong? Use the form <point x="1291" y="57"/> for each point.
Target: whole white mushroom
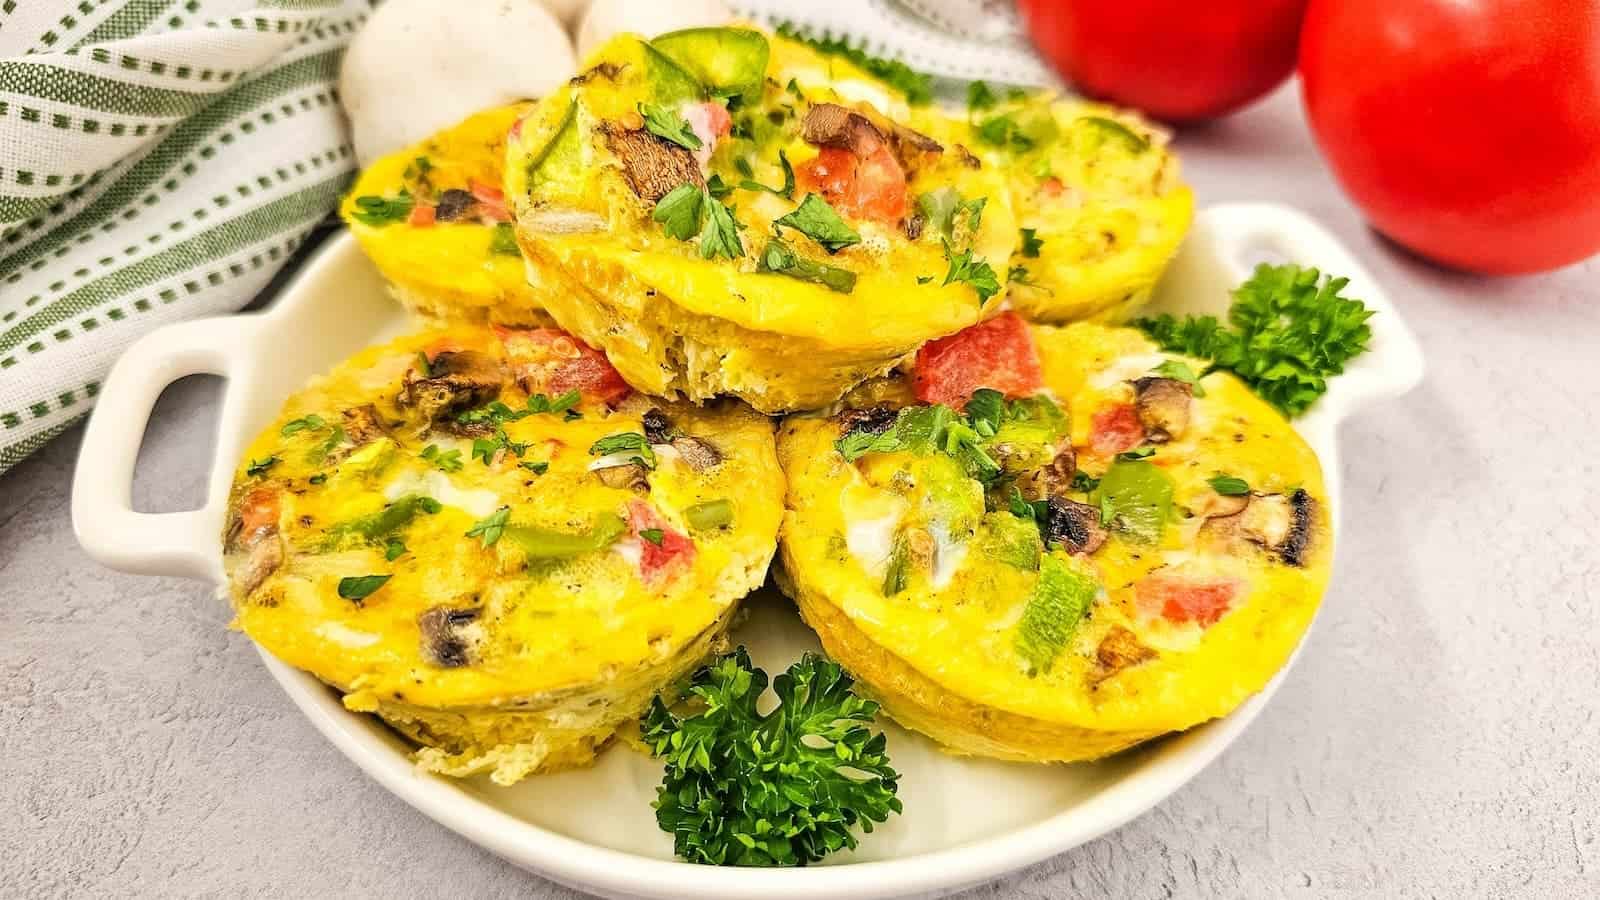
<point x="422" y="65"/>
<point x="645" y="17"/>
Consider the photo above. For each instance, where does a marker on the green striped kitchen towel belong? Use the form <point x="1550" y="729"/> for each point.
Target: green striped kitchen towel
<point x="159" y="160"/>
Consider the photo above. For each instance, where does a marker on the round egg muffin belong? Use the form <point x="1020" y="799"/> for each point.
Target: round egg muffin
<point x="723" y="211"/>
<point x="433" y="219"/>
<point x="1099" y="200"/>
<point x="487" y="539"/>
<point x="1049" y="544"/>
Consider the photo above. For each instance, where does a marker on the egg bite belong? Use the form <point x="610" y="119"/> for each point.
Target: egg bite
<point x="723" y="211"/>
<point x="1050" y="544"/>
<point x="485" y="538"/>
<point x="433" y="219"/>
<point x="1098" y="195"/>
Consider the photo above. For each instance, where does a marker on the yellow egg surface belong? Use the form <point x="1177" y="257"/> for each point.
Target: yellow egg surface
<point x="1100" y="195"/>
<point x="727" y="212"/>
<point x="433" y="220"/>
<point x="482" y="536"/>
<point x="1104" y="552"/>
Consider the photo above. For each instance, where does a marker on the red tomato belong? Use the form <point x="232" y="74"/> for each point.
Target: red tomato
<point x="1467" y="130"/>
<point x="1114" y="429"/>
<point x="258" y="511"/>
<point x="997" y="354"/>
<point x="870" y="187"/>
<point x="421" y="216"/>
<point x="1178" y="599"/>
<point x="1178" y="60"/>
<point x="491" y="201"/>
<point x="658" y="561"/>
<point x="552" y="362"/>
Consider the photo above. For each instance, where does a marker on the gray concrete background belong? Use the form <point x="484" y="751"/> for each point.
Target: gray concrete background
<point x="1438" y="738"/>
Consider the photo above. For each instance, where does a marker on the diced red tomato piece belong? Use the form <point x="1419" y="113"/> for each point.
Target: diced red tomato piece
<point x="998" y="354"/>
<point x="552" y="362"/>
<point x="1052" y="187"/>
<point x="259" y="510"/>
<point x="422" y="216"/>
<point x="1115" y="429"/>
<point x="491" y="200"/>
<point x="870" y="187"/>
<point x="1181" y="599"/>
<point x="658" y="561"/>
<point x="718" y="122"/>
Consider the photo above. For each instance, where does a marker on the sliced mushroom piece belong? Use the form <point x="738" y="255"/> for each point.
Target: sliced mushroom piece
<point x="912" y="225"/>
<point x="699" y="454"/>
<point x="912" y="149"/>
<point x="832" y="125"/>
<point x="454" y="204"/>
<point x="1302" y="511"/>
<point x="1163" y="407"/>
<point x="628" y="477"/>
<point x="264" y="556"/>
<point x="363" y="425"/>
<point x="1267" y="520"/>
<point x="444" y="639"/>
<point x="871" y="419"/>
<point x="652" y="166"/>
<point x="1118" y="650"/>
<point x="1075" y="526"/>
<point x="1213" y="505"/>
<point x="658" y="428"/>
<point x="456" y="381"/>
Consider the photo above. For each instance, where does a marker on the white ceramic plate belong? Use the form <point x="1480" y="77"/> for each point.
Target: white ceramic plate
<point x="965" y="821"/>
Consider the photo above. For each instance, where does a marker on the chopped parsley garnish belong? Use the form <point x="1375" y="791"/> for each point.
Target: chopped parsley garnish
<point x="318" y="478"/>
<point x="924" y="279"/>
<point x="917" y="87"/>
<point x="816" y="219"/>
<point x="1113" y="130"/>
<point x="666" y="123"/>
<point x="320" y="452"/>
<point x="938" y="429"/>
<point x="443" y="460"/>
<point x="1031" y="243"/>
<point x="488" y="448"/>
<point x="381" y="211"/>
<point x="718" y="188"/>
<point x="1179" y="370"/>
<point x="976" y="272"/>
<point x="1228" y="485"/>
<point x="498" y="413"/>
<point x="653" y="535"/>
<point x="979" y="96"/>
<point x="688" y="210"/>
<point x="489" y="530"/>
<point x="625" y="442"/>
<point x="311" y="422"/>
<point x="1018" y="275"/>
<point x="679" y="211"/>
<point x="986" y="408"/>
<point x="779" y="258"/>
<point x="504" y="241"/>
<point x="750" y="184"/>
<point x="360" y="587"/>
<point x="260" y="466"/>
<point x="1084" y="482"/>
<point x="538" y="467"/>
<point x="1137" y="453"/>
<point x="394" y="549"/>
<point x="784" y="788"/>
<point x="1290" y="331"/>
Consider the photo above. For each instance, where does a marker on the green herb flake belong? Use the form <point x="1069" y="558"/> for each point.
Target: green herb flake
<point x="259" y="467"/>
<point x="626" y="442"/>
<point x="816" y="219"/>
<point x="380" y="211"/>
<point x="679" y="212"/>
<point x="504" y="241"/>
<point x="666" y="123"/>
<point x="750" y="184"/>
<point x="489" y="529"/>
<point x="318" y="478"/>
<point x="538" y="467"/>
<point x="653" y="535"/>
<point x="980" y="96"/>
<point x="1137" y="453"/>
<point x="311" y="422"/>
<point x="1179" y="370"/>
<point x="444" y="461"/>
<point x="394" y="549"/>
<point x="783" y="788"/>
<point x="359" y="587"/>
<point x="1031" y="243"/>
<point x="975" y="272"/>
<point x="1228" y="485"/>
<point x="719" y="236"/>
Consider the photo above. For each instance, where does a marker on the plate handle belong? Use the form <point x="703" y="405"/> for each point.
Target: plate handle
<point x="108" y="528"/>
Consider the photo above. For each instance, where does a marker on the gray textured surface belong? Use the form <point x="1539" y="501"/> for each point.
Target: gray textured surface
<point x="1438" y="738"/>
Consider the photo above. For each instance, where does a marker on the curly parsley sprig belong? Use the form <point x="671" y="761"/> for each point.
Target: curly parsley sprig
<point x="1291" y="330"/>
<point x="781" y="789"/>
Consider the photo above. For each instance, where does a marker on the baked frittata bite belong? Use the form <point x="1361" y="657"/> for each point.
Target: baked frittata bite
<point x="1049" y="544"/>
<point x="433" y="219"/>
<point x="1098" y="195"/>
<point x="726" y="212"/>
<point x="487" y="539"/>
